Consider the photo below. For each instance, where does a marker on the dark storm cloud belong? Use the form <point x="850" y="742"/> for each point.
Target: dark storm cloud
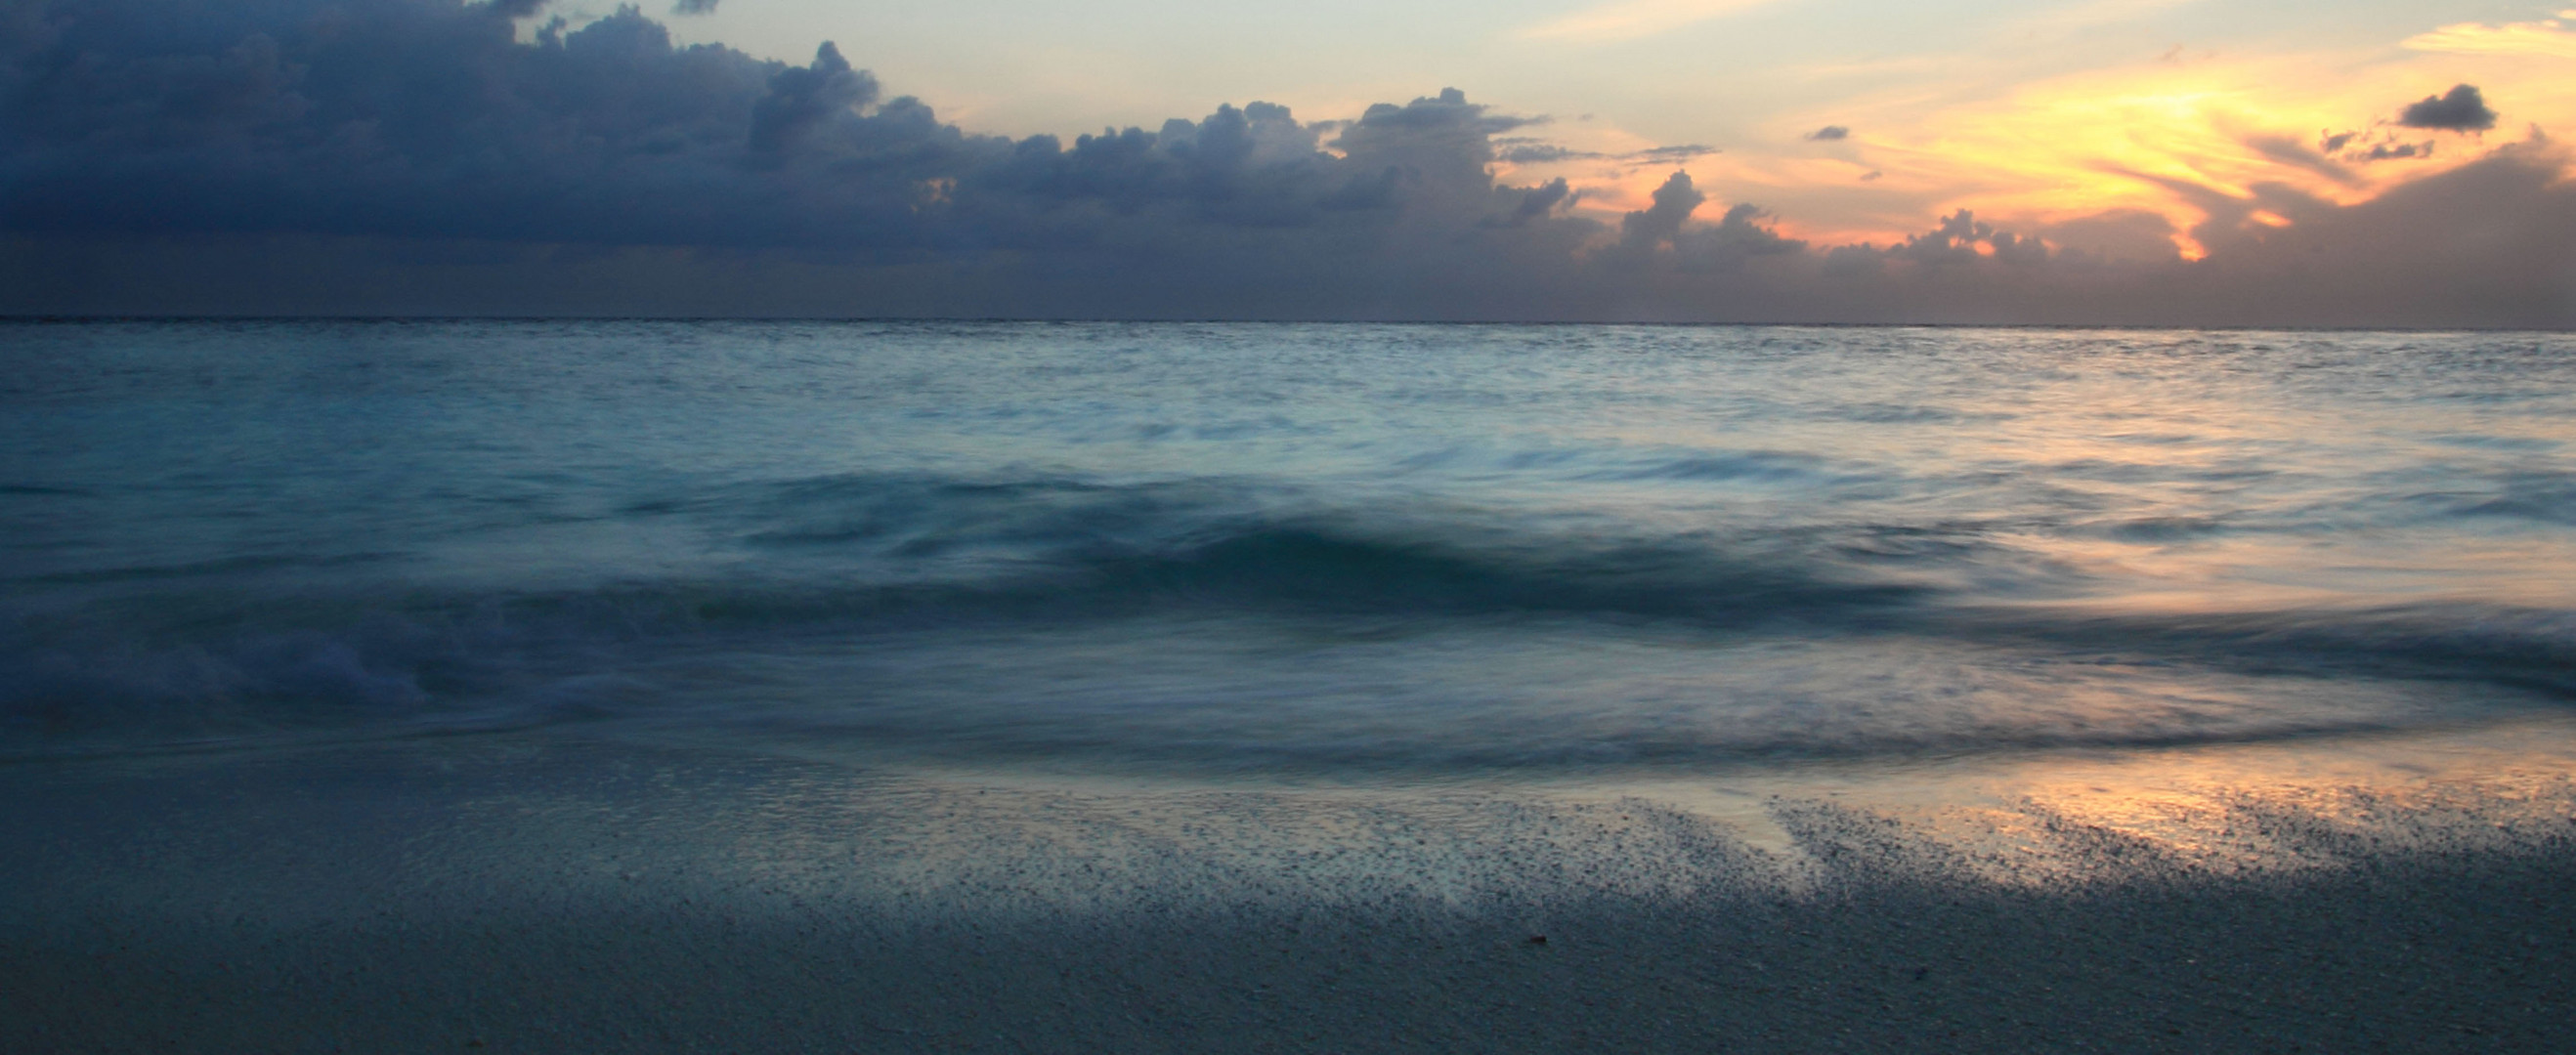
<point x="2485" y="244"/>
<point x="2462" y="109"/>
<point x="1830" y="132"/>
<point x="423" y="118"/>
<point x="1673" y="204"/>
<point x="426" y="118"/>
<point x="2117" y="236"/>
<point x="799" y="99"/>
<point x="1735" y="240"/>
<point x="1442" y="141"/>
<point x="415" y="156"/>
<point x="1962" y="238"/>
<point x="1663" y="235"/>
<point x="1539" y="201"/>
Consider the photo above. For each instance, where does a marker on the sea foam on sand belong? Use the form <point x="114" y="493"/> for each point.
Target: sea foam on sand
<point x="547" y="894"/>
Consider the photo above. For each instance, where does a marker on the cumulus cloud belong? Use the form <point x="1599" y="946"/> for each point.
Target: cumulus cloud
<point x="799" y="99"/>
<point x="423" y="118"/>
<point x="2461" y="109"/>
<point x="1735" y="241"/>
<point x="435" y="156"/>
<point x="1539" y="201"/>
<point x="1658" y="223"/>
<point x="1962" y="238"/>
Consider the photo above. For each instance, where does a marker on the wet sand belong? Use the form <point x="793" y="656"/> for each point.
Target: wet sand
<point x="536" y="895"/>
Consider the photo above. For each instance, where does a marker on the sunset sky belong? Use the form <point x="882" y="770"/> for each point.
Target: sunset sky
<point x="1744" y="160"/>
<point x="2030" y="112"/>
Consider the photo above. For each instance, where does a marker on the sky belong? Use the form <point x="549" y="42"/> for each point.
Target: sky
<point x="2167" y="162"/>
<point x="2018" y="110"/>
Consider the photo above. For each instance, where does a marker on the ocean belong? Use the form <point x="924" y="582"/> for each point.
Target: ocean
<point x="1313" y="552"/>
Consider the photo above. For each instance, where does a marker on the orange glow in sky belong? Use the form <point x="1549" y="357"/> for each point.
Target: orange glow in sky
<point x="2167" y="135"/>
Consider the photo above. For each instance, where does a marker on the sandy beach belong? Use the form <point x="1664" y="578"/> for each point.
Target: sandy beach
<point x="1694" y="526"/>
<point x="515" y="895"/>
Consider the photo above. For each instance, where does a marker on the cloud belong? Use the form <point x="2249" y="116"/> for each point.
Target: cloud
<point x="1538" y="202"/>
<point x="2378" y="144"/>
<point x="429" y="119"/>
<point x="1442" y="140"/>
<point x="799" y="99"/>
<point x="2113" y="237"/>
<point x="1631" y="19"/>
<point x="1663" y="235"/>
<point x="1830" y="132"/>
<point x="2292" y="152"/>
<point x="1658" y="223"/>
<point x="1732" y="243"/>
<point x="1533" y="152"/>
<point x="694" y="7"/>
<point x="1962" y="238"/>
<point x="1527" y="151"/>
<point x="1670" y="154"/>
<point x="2462" y="109"/>
<point x="420" y="156"/>
<point x="2475" y="240"/>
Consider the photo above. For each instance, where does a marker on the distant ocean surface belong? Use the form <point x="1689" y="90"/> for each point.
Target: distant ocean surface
<point x="1329" y="549"/>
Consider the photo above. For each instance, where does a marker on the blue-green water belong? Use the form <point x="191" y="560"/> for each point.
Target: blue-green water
<point x="1313" y="548"/>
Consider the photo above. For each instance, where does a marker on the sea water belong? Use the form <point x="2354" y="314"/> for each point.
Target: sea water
<point x="1330" y="550"/>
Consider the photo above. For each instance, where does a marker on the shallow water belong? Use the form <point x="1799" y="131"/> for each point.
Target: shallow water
<point x="1338" y="550"/>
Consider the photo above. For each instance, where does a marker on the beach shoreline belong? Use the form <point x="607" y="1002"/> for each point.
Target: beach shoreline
<point x="550" y="895"/>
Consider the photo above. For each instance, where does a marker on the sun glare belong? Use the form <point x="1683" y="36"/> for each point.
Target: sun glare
<point x="2174" y="140"/>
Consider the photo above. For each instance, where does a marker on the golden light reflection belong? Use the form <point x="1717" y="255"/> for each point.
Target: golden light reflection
<point x="2076" y="817"/>
<point x="2289" y="806"/>
<point x="1074" y="840"/>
